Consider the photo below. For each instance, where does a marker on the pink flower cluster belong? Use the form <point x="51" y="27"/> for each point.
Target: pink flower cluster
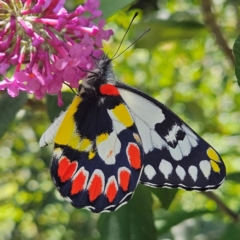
<point x="47" y="46"/>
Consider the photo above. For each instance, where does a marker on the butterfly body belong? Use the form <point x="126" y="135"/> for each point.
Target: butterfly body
<point x="113" y="137"/>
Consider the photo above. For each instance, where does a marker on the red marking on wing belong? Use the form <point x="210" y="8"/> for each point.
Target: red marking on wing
<point x="134" y="155"/>
<point x="111" y="190"/>
<point x="124" y="178"/>
<point x="66" y="169"/>
<point x="79" y="181"/>
<point x="109" y="89"/>
<point x="96" y="187"/>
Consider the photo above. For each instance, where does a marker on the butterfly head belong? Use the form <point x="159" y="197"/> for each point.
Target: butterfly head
<point x="101" y="73"/>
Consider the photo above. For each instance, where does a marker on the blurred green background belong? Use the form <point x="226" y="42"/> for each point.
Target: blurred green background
<point x="185" y="62"/>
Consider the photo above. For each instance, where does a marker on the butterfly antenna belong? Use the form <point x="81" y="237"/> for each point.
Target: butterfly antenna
<point x="70" y="88"/>
<point x="146" y="31"/>
<point x="130" y="24"/>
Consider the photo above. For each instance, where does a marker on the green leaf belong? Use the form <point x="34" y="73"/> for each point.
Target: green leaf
<point x="232" y="232"/>
<point x="235" y="176"/>
<point x="8" y="109"/>
<point x="165" y="30"/>
<point x="108" y="8"/>
<point x="171" y="219"/>
<point x="236" y="51"/>
<point x="134" y="221"/>
<point x="53" y="109"/>
<point x="165" y="196"/>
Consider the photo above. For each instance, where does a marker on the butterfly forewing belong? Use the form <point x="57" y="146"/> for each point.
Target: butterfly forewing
<point x="97" y="163"/>
<point x="175" y="156"/>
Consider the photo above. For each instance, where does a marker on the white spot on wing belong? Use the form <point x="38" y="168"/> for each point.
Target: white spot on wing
<point x="193" y="171"/>
<point x="205" y="168"/>
<point x="50" y="133"/>
<point x="192" y="138"/>
<point x="57" y="153"/>
<point x="185" y="146"/>
<point x="109" y="148"/>
<point x="143" y="108"/>
<point x="180" y="172"/>
<point x="149" y="172"/>
<point x="117" y="126"/>
<point x="165" y="168"/>
<point x="145" y="134"/>
<point x="157" y="141"/>
<point x="171" y="137"/>
<point x="176" y="153"/>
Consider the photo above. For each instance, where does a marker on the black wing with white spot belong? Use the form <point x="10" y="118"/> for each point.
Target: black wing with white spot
<point x="175" y="156"/>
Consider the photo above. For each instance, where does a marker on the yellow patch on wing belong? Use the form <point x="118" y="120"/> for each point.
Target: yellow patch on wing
<point x="102" y="137"/>
<point x="91" y="155"/>
<point x="213" y="155"/>
<point x="123" y="115"/>
<point x="66" y="133"/>
<point x="85" y="145"/>
<point x="215" y="166"/>
<point x="74" y="140"/>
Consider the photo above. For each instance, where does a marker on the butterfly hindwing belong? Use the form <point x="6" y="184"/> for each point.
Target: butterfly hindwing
<point x="97" y="163"/>
<point x="174" y="155"/>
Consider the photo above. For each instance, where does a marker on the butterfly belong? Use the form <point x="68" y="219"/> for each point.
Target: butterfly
<point x="113" y="137"/>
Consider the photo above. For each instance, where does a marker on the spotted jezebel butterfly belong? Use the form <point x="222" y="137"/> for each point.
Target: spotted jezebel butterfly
<point x="113" y="137"/>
